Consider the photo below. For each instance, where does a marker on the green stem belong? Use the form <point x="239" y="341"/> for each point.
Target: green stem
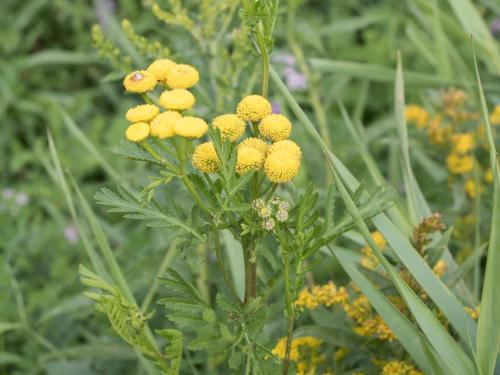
<point x="250" y="271"/>
<point x="158" y="157"/>
<point x="189" y="185"/>
<point x="220" y="262"/>
<point x="265" y="62"/>
<point x="289" y="312"/>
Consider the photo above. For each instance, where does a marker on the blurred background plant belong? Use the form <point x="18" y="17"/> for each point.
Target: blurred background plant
<point x="336" y="57"/>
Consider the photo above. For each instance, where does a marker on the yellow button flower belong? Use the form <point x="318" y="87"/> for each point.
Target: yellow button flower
<point x="248" y="158"/>
<point x="230" y="126"/>
<point x="257" y="143"/>
<point x="190" y="127"/>
<point x="205" y="158"/>
<point x="142" y="113"/>
<point x="177" y="99"/>
<point x="137" y="132"/>
<point x="163" y="125"/>
<point x="275" y="127"/>
<point x="281" y="166"/>
<point x="160" y="69"/>
<point x="253" y="108"/>
<point x="182" y="76"/>
<point x="458" y="164"/>
<point x="139" y="81"/>
<point x="495" y="115"/>
<point x="286" y="145"/>
<point x="462" y="143"/>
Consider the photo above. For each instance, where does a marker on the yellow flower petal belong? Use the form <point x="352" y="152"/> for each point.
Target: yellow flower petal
<point x="142" y="113"/>
<point x="137" y="132"/>
<point x="177" y="99"/>
<point x="139" y="81"/>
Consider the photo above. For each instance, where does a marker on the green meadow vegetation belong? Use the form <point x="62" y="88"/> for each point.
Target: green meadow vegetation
<point x="249" y="187"/>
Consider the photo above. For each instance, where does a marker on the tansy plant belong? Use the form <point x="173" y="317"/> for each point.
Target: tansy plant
<point x="233" y="170"/>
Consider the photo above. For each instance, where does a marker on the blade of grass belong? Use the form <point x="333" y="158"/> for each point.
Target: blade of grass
<point x="488" y="333"/>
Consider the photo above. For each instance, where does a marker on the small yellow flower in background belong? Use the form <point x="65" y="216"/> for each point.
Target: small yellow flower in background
<point x="139" y="81"/>
<point x="473" y="312"/>
<point x="142" y="113"/>
<point x="190" y="127"/>
<point x="399" y="368"/>
<point x="230" y="126"/>
<point x="137" y="132"/>
<point x="440" y="268"/>
<point x="281" y="166"/>
<point x="182" y="76"/>
<point x="369" y="260"/>
<point x="438" y="134"/>
<point x="248" y="158"/>
<point x="275" y="127"/>
<point x="296" y="352"/>
<point x="286" y="145"/>
<point x="417" y="115"/>
<point x="205" y="158"/>
<point x="458" y="164"/>
<point x="326" y="295"/>
<point x="163" y="125"/>
<point x="462" y="143"/>
<point x="160" y="69"/>
<point x="257" y="143"/>
<point x="177" y="99"/>
<point x="495" y="115"/>
<point x="254" y="108"/>
<point x="470" y="188"/>
<point x="488" y="176"/>
<point x="340" y="354"/>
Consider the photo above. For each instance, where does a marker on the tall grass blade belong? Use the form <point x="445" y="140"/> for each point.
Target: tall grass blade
<point x="488" y="333"/>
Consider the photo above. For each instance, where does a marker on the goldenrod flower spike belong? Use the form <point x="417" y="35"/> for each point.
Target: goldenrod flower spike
<point x="178" y="99"/>
<point x="462" y="142"/>
<point x="253" y="108"/>
<point x="231" y="126"/>
<point x="257" y="143"/>
<point x="190" y="127"/>
<point x="281" y="166"/>
<point x="286" y="145"/>
<point x="137" y="132"/>
<point x="160" y="69"/>
<point x="458" y="164"/>
<point x="140" y="81"/>
<point x="248" y="158"/>
<point x="275" y="127"/>
<point x="205" y="158"/>
<point x="182" y="76"/>
<point x="163" y="125"/>
<point x="142" y="113"/>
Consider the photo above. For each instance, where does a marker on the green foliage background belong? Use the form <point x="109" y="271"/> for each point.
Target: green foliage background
<point x="52" y="79"/>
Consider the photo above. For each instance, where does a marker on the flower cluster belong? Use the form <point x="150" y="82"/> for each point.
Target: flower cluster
<point x="279" y="160"/>
<point x="303" y="351"/>
<point x="369" y="260"/>
<point x="399" y="368"/>
<point x="147" y="119"/>
<point x="457" y="130"/>
<point x="324" y="295"/>
<point x="270" y="212"/>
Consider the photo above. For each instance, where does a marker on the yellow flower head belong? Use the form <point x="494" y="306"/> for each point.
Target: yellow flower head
<point x="440" y="268"/>
<point x="257" y="143"/>
<point x="177" y="99"/>
<point x="488" y="176"/>
<point x="248" y="158"/>
<point x="471" y="188"/>
<point x="417" y="115"/>
<point x="458" y="164"/>
<point x="182" y="76"/>
<point x="163" y="125"/>
<point x="253" y="108"/>
<point x="205" y="158"/>
<point x="190" y="127"/>
<point x="139" y="81"/>
<point x="286" y="145"/>
<point x="399" y="368"/>
<point x="144" y="112"/>
<point x="275" y="127"/>
<point x="137" y="132"/>
<point x="160" y="68"/>
<point x="281" y="166"/>
<point x="495" y="115"/>
<point x="462" y="143"/>
<point x="230" y="126"/>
